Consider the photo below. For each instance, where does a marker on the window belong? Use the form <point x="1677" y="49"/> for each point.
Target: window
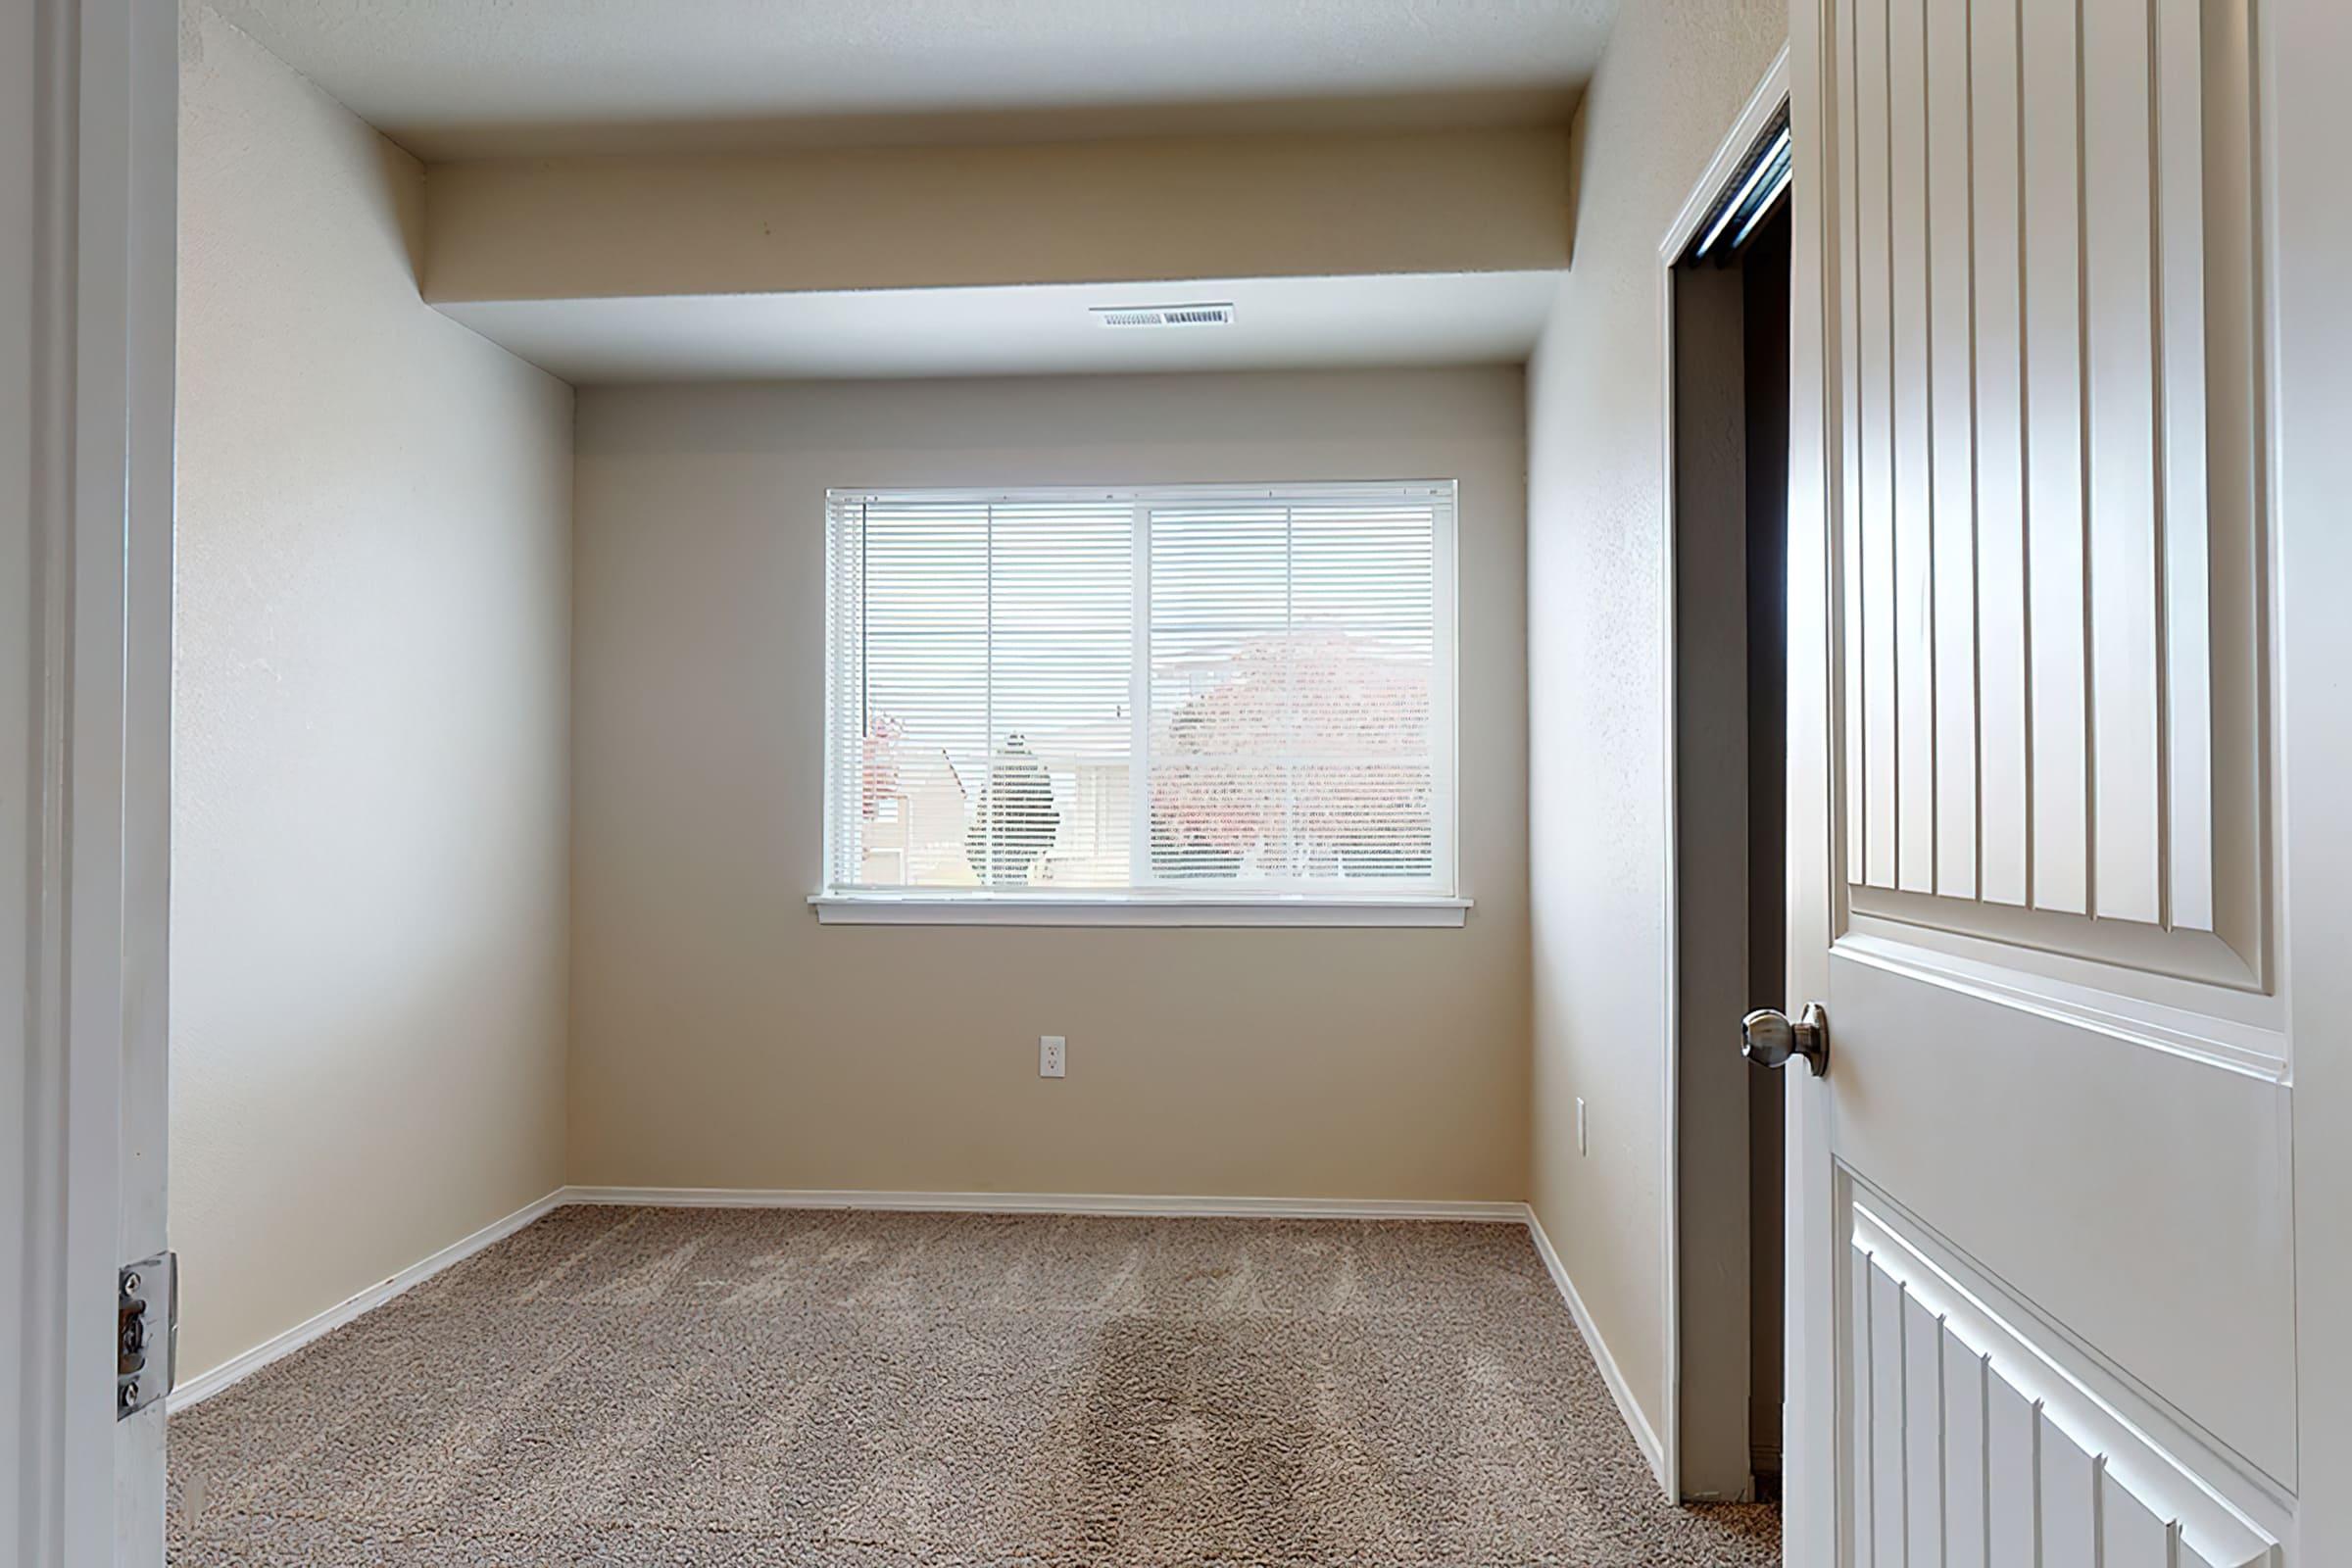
<point x="1180" y="698"/>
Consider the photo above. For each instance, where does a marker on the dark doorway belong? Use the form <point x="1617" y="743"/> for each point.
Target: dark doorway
<point x="1764" y="276"/>
<point x="1730" y="325"/>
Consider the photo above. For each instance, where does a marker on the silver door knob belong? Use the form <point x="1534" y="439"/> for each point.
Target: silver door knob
<point x="1768" y="1039"/>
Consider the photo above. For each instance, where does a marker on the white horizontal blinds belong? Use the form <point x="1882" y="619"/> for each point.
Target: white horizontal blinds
<point x="1219" y="686"/>
<point x="848" y="783"/>
<point x="921" y="729"/>
<point x="982" y="737"/>
<point x="1055" y="810"/>
<point x="1000" y="661"/>
<point x="1293" y="662"/>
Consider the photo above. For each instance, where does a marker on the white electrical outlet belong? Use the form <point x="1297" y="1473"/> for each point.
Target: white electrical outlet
<point x="1580" y="1126"/>
<point x="1051" y="1056"/>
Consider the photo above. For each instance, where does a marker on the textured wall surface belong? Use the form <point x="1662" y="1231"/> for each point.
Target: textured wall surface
<point x="1142" y="211"/>
<point x="369" y="812"/>
<point x="1669" y="86"/>
<point x="722" y="1038"/>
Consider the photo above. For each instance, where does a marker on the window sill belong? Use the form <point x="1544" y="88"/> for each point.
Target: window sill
<point x="1175" y="910"/>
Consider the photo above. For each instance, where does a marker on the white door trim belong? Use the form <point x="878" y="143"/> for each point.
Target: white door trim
<point x="2308" y="121"/>
<point x="1809" y="1499"/>
<point x="86" y="560"/>
<point x="31" y="1219"/>
<point x="1762" y="104"/>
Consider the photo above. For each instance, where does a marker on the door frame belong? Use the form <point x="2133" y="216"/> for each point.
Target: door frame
<point x="89" y="191"/>
<point x="2307" y="120"/>
<point x="1763" y="102"/>
<point x="1810" y="1503"/>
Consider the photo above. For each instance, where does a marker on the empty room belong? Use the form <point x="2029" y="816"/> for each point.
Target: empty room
<point x="1130" y="785"/>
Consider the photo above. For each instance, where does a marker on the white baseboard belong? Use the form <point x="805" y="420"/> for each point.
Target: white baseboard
<point x="1049" y="1204"/>
<point x="203" y="1387"/>
<point x="1645" y="1436"/>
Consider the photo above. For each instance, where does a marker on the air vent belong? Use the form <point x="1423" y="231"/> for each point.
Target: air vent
<point x="1202" y="314"/>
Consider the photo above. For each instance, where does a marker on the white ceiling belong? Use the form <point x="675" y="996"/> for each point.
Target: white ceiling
<point x="455" y="78"/>
<point x="1442" y="318"/>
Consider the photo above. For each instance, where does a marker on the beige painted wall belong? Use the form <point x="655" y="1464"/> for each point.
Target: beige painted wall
<point x="721" y="1038"/>
<point x="1148" y="209"/>
<point x="1674" y="77"/>
<point x="370" y="810"/>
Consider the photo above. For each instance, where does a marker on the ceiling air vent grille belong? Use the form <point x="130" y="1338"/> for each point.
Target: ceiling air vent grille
<point x="1202" y="314"/>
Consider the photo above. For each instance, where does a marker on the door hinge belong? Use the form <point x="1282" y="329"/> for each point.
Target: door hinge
<point x="146" y="1332"/>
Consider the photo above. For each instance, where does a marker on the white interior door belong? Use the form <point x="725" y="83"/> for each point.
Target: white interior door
<point x="2043" y="1220"/>
<point x="88" y="94"/>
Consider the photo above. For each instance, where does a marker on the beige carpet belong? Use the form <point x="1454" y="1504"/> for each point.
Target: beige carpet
<point x="713" y="1387"/>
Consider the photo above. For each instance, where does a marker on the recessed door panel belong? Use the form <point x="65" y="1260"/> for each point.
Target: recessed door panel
<point x="2051" y="589"/>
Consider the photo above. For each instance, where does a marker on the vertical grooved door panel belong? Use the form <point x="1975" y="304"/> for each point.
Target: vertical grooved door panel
<point x="2185" y="540"/>
<point x="1851" y="643"/>
<point x="2070" y="1490"/>
<point x="1962" y="1464"/>
<point x="1889" y="1476"/>
<point x="1862" y="1390"/>
<point x="2128" y="1530"/>
<point x="1951" y="420"/>
<point x="1967" y="1456"/>
<point x="1870" y="607"/>
<point x="2048" y="407"/>
<point x="1909" y="265"/>
<point x="2119" y="369"/>
<point x="2057" y="588"/>
<point x="1997" y="335"/>
<point x="2012" y="1475"/>
<point x="1925" y="1427"/>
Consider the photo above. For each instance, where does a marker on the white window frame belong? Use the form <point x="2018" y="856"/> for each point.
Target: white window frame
<point x="1152" y="905"/>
